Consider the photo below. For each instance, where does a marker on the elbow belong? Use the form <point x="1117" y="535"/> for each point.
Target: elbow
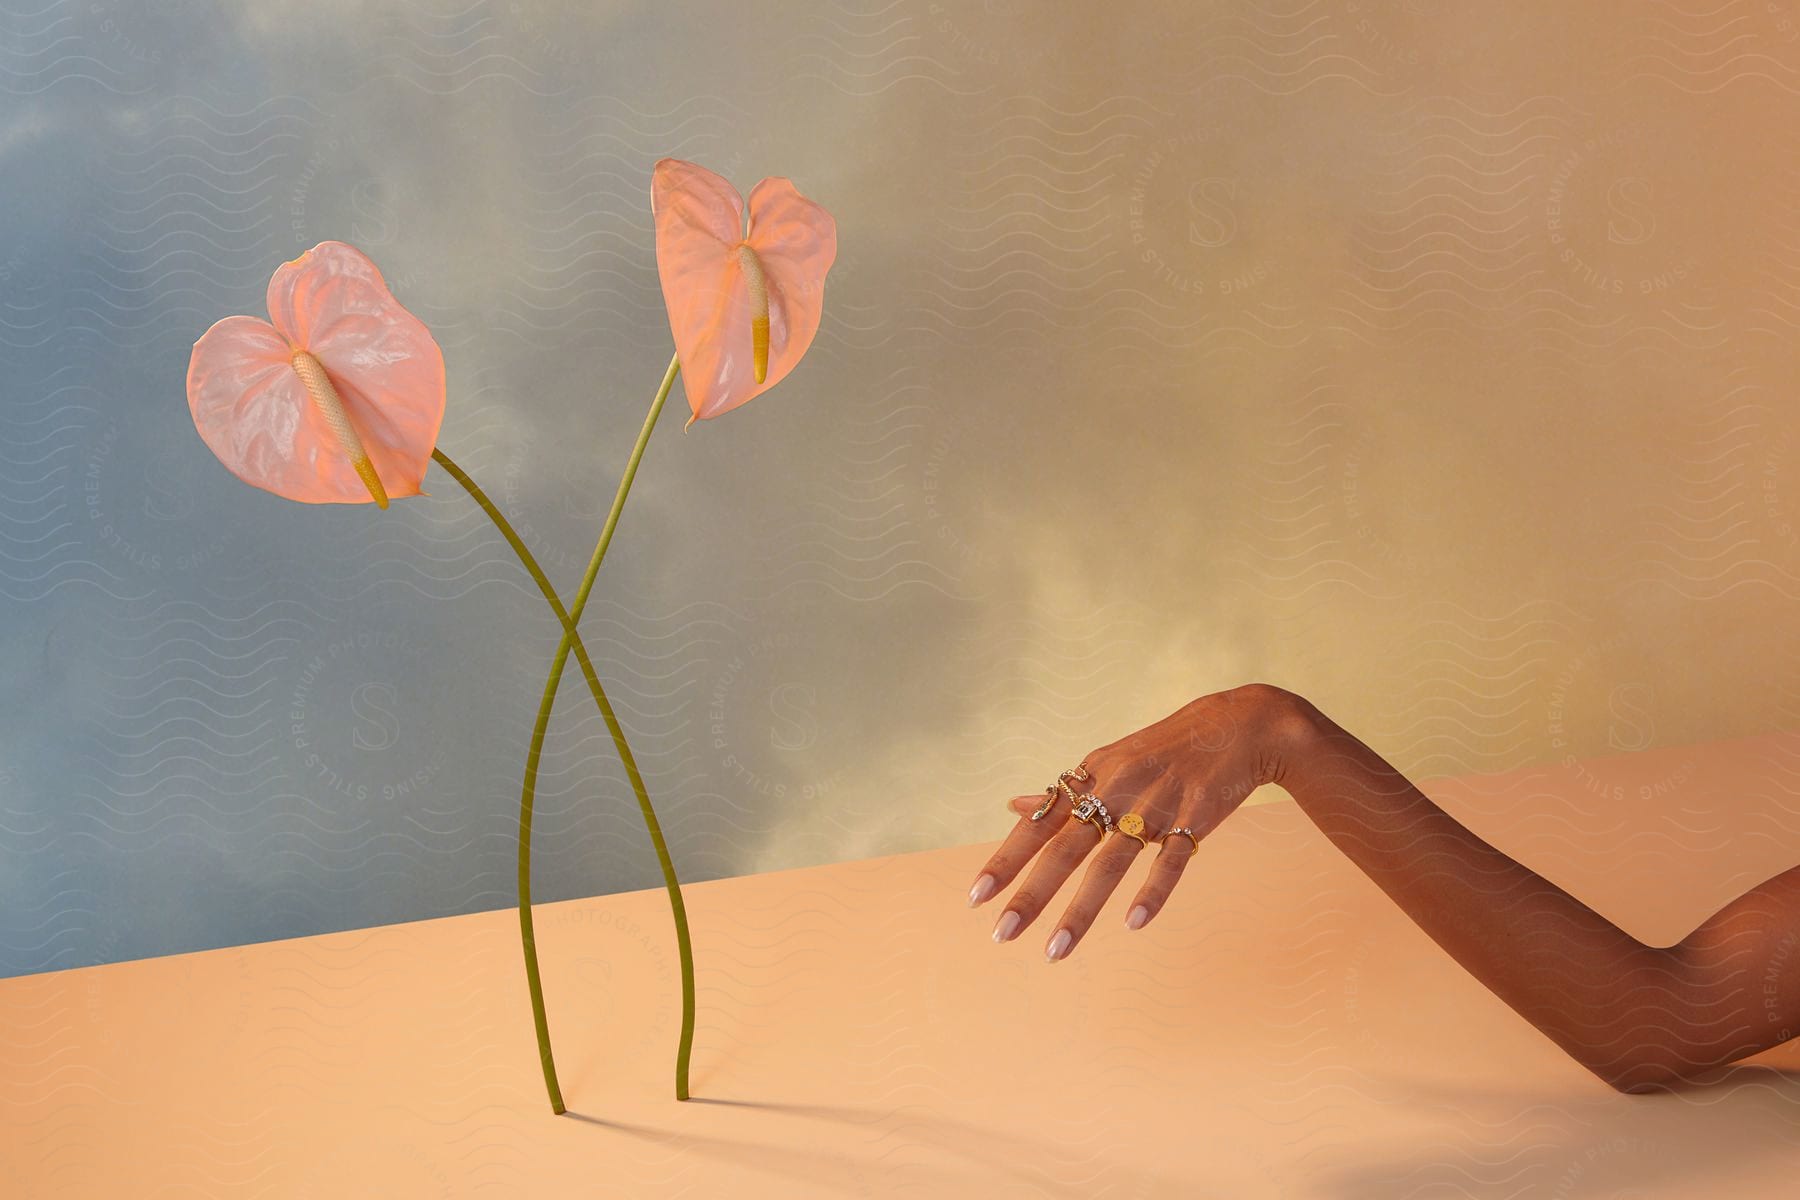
<point x="1647" y="1069"/>
<point x="1651" y="1043"/>
<point x="1639" y="1078"/>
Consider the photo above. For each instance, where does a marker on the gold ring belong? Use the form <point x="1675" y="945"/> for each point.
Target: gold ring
<point x="1132" y="826"/>
<point x="1094" y="821"/>
<point x="1091" y="810"/>
<point x="1076" y="773"/>
<point x="1185" y="832"/>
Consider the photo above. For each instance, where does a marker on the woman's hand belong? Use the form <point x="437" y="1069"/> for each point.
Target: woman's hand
<point x="1189" y="770"/>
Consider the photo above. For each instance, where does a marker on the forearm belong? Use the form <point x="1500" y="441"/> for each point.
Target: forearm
<point x="1623" y="1009"/>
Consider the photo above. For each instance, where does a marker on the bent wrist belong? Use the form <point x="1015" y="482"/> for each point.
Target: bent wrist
<point x="1291" y="725"/>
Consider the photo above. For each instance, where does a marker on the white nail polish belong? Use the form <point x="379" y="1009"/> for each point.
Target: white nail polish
<point x="1138" y="916"/>
<point x="984" y="887"/>
<point x="1009" y="925"/>
<point x="1059" y="945"/>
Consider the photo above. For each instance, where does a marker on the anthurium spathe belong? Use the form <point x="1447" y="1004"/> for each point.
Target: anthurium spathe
<point x="336" y="399"/>
<point x="743" y="304"/>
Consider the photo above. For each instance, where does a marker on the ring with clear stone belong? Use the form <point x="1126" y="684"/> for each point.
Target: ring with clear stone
<point x="1091" y="810"/>
<point x="1184" y="831"/>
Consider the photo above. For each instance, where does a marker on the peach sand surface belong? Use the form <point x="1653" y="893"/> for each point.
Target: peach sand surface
<point x="1281" y="1030"/>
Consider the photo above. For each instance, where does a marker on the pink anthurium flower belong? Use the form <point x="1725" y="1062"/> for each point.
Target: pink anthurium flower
<point x="743" y="304"/>
<point x="338" y="401"/>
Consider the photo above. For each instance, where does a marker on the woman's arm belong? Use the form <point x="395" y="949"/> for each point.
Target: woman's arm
<point x="1640" y="1017"/>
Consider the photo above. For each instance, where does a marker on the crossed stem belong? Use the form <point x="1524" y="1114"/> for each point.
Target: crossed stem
<point x="569" y="617"/>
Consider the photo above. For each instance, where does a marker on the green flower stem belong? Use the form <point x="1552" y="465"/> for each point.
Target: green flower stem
<point x="572" y="640"/>
<point x="533" y="756"/>
<point x="593" y="681"/>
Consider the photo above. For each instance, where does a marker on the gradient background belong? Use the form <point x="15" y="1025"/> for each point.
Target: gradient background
<point x="1433" y="362"/>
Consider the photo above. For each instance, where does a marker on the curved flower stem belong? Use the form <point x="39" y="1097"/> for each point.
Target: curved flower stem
<point x="533" y="756"/>
<point x="593" y="681"/>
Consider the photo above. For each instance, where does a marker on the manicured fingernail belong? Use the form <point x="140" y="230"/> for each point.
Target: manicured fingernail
<point x="1009" y="925"/>
<point x="1059" y="945"/>
<point x="984" y="887"/>
<point x="1138" y="916"/>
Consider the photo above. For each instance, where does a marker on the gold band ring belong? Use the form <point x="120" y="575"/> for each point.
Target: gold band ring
<point x="1185" y="832"/>
<point x="1091" y="809"/>
<point x="1132" y="826"/>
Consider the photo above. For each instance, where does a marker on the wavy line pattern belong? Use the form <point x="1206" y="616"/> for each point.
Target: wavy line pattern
<point x="850" y="1049"/>
<point x="1121" y="390"/>
<point x="1725" y="521"/>
<point x="1704" y="48"/>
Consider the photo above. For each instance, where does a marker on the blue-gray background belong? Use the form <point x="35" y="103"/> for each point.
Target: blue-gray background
<point x="1434" y="364"/>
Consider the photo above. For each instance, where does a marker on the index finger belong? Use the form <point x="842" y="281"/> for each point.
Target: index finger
<point x="1025" y="840"/>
